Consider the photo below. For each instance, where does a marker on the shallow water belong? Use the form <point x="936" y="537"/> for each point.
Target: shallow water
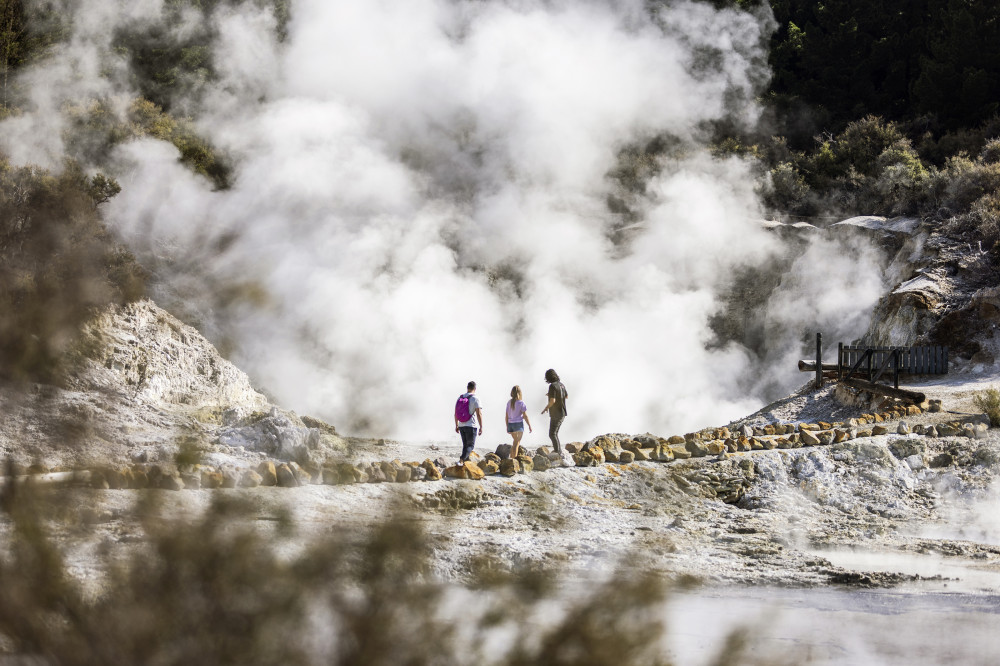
<point x="837" y="626"/>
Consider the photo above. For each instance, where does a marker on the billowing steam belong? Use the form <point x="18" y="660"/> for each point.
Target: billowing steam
<point x="420" y="198"/>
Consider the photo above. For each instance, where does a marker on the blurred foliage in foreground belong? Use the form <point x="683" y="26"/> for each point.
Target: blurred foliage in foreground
<point x="58" y="264"/>
<point x="221" y="589"/>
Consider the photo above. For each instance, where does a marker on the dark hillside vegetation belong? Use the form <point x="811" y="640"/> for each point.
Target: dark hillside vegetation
<point x="58" y="264"/>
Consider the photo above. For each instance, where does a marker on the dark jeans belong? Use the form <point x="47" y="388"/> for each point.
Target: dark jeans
<point x="468" y="441"/>
<point x="554" y="423"/>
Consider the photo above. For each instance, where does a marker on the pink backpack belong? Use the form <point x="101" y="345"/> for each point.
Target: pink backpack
<point x="462" y="412"/>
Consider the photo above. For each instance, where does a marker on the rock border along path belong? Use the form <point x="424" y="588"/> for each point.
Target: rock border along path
<point x="716" y="443"/>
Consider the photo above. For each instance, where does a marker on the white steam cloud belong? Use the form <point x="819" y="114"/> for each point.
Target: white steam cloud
<point x="421" y="190"/>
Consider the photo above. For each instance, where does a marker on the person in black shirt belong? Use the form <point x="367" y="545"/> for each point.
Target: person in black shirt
<point x="556" y="407"/>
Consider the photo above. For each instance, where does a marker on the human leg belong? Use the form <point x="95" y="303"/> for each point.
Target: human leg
<point x="468" y="441"/>
<point x="554" y="424"/>
<point x="516" y="448"/>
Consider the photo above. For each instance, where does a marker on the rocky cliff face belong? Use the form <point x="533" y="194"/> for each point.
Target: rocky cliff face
<point x="144" y="386"/>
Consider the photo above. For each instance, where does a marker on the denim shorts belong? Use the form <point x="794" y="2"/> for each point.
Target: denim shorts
<point x="516" y="426"/>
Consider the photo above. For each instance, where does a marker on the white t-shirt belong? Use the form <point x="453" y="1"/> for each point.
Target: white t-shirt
<point x="473" y="406"/>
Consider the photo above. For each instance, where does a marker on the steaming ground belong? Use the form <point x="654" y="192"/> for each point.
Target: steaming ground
<point x="420" y="196"/>
<point x="844" y="554"/>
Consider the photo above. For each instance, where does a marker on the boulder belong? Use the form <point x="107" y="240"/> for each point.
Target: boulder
<point x="680" y="452"/>
<point x="375" y="474"/>
<point x="544" y="451"/>
<point x="510" y="466"/>
<point x="626" y="457"/>
<point x="584" y="459"/>
<point x="808" y="438"/>
<point x="472" y="471"/>
<point x="541" y="463"/>
<point x="490" y="467"/>
<point x="902" y="428"/>
<point x="433" y="473"/>
<point x="191" y="480"/>
<point x="286" y="477"/>
<point x="268" y="473"/>
<point x="640" y="454"/>
<point x="931" y="431"/>
<point x="948" y="430"/>
<point x="301" y="475"/>
<point x="526" y="463"/>
<point x="171" y="481"/>
<point x="140" y="479"/>
<point x="675" y="439"/>
<point x="404" y="474"/>
<point x="249" y="479"/>
<point x="697" y="449"/>
<point x="879" y="430"/>
<point x="826" y="437"/>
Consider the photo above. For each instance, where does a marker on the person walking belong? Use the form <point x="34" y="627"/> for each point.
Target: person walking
<point x="517" y="416"/>
<point x="468" y="417"/>
<point x="556" y="408"/>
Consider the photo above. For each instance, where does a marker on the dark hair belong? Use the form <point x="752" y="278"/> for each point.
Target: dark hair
<point x="551" y="376"/>
<point x="471" y="386"/>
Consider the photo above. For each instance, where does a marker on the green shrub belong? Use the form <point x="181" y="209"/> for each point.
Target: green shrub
<point x="991" y="152"/>
<point x="988" y="402"/>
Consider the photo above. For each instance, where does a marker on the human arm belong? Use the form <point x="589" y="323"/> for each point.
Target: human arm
<point x="479" y="417"/>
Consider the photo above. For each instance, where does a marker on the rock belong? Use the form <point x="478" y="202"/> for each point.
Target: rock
<point x="510" y="466"/>
<point x="171" y="481"/>
<point x="931" y="431"/>
<point x="544" y="451"/>
<point x="490" y="467"/>
<point x="503" y="451"/>
<point x="625" y="457"/>
<point x="826" y="437"/>
<point x="301" y="475"/>
<point x="211" y="479"/>
<point x="230" y="476"/>
<point x="191" y="480"/>
<point x="660" y="453"/>
<point x="472" y="471"/>
<point x="268" y="473"/>
<point x="696" y="449"/>
<point x="250" y="479"/>
<point x="541" y="463"/>
<point x="808" y="438"/>
<point x="841" y="436"/>
<point x="404" y="474"/>
<point x="433" y="473"/>
<point x="641" y="454"/>
<point x="915" y="462"/>
<point x="715" y="447"/>
<point x="902" y="428"/>
<point x="417" y="473"/>
<point x="879" y="430"/>
<point x="375" y="474"/>
<point x="823" y="425"/>
<point x="675" y="439"/>
<point x="906" y="448"/>
<point x="140" y="479"/>
<point x="934" y="405"/>
<point x="948" y="430"/>
<point x="805" y="427"/>
<point x="918" y="429"/>
<point x="584" y="459"/>
<point x="942" y="460"/>
<point x="679" y="452"/>
<point x="526" y="464"/>
<point x="981" y="430"/>
<point x="286" y="477"/>
<point x="98" y="480"/>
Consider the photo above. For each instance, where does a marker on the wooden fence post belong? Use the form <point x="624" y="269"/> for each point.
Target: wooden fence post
<point x="819" y="360"/>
